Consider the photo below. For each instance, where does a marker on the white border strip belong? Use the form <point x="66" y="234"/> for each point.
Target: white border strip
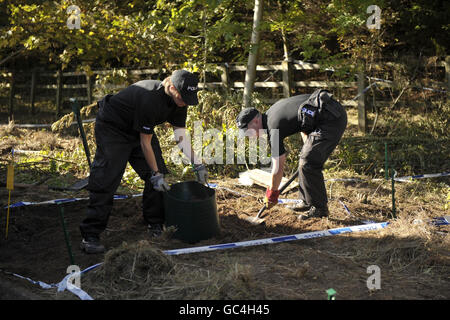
<point x="66" y="200"/>
<point x="65" y="283"/>
<point x="422" y="176"/>
<point x="46" y="125"/>
<point x="215" y="185"/>
<point x="300" y="236"/>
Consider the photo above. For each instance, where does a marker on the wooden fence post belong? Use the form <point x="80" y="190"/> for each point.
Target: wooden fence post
<point x="362" y="115"/>
<point x="89" y="89"/>
<point x="33" y="90"/>
<point x="286" y="66"/>
<point x="225" y="76"/>
<point x="58" y="92"/>
<point x="447" y="74"/>
<point x="11" y="97"/>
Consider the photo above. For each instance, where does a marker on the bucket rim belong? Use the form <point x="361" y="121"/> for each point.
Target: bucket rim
<point x="167" y="194"/>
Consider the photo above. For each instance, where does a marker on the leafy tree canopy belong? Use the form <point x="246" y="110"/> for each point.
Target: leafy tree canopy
<point x="158" y="33"/>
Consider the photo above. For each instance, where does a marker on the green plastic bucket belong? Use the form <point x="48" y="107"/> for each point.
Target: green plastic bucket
<point x="191" y="208"/>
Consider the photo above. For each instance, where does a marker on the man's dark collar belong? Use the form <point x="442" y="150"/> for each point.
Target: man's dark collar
<point x="264" y="121"/>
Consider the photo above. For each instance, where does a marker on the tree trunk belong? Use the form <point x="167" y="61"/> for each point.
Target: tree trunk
<point x="362" y="114"/>
<point x="250" y="74"/>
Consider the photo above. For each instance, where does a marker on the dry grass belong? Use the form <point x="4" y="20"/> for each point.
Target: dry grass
<point x="66" y="121"/>
<point x="141" y="271"/>
<point x="411" y="253"/>
<point x="409" y="250"/>
<point x="24" y="139"/>
<point x="404" y="244"/>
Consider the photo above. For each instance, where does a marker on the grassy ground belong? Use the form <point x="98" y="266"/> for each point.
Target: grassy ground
<point x="412" y="254"/>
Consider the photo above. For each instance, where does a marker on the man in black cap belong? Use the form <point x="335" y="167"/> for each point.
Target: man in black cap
<point x="321" y="121"/>
<point x="124" y="132"/>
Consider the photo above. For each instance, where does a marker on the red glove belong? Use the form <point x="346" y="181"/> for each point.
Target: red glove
<point x="271" y="198"/>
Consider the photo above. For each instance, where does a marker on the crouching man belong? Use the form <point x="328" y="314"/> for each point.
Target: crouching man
<point x="321" y="121"/>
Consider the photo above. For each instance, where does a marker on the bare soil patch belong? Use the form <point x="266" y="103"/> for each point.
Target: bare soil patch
<point x="413" y="257"/>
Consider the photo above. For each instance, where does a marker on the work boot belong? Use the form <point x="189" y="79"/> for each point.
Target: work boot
<point x="299" y="206"/>
<point x="92" y="245"/>
<point x="155" y="229"/>
<point x="314" y="212"/>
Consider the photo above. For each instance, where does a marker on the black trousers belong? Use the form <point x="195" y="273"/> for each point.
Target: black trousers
<point x="316" y="150"/>
<point x="114" y="149"/>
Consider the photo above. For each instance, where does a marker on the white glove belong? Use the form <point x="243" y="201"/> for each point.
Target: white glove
<point x="158" y="182"/>
<point x="201" y="172"/>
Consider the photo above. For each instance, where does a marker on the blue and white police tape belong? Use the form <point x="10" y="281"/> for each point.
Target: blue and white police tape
<point x="120" y="197"/>
<point x="440" y="221"/>
<point x="65" y="284"/>
<point x="346" y="208"/>
<point x="351" y="215"/>
<point x="65" y="200"/>
<point x="47" y="125"/>
<point x="422" y="176"/>
<point x="216" y="186"/>
<point x="344" y="180"/>
<point x="416" y="87"/>
<point x="365" y="90"/>
<point x="39" y="283"/>
<point x="288" y="201"/>
<point x="116" y="197"/>
<point x="301" y="236"/>
<point x="401" y="179"/>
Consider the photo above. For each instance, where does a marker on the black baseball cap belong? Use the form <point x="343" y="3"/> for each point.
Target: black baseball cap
<point x="187" y="85"/>
<point x="245" y="116"/>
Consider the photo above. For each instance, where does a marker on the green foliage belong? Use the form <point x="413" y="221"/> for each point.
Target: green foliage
<point x="105" y="82"/>
<point x="143" y="33"/>
<point x="199" y="34"/>
<point x="160" y="33"/>
<point x="217" y="111"/>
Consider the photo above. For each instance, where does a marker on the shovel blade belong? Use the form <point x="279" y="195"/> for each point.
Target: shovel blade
<point x="77" y="186"/>
<point x="80" y="184"/>
<point x="255" y="220"/>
